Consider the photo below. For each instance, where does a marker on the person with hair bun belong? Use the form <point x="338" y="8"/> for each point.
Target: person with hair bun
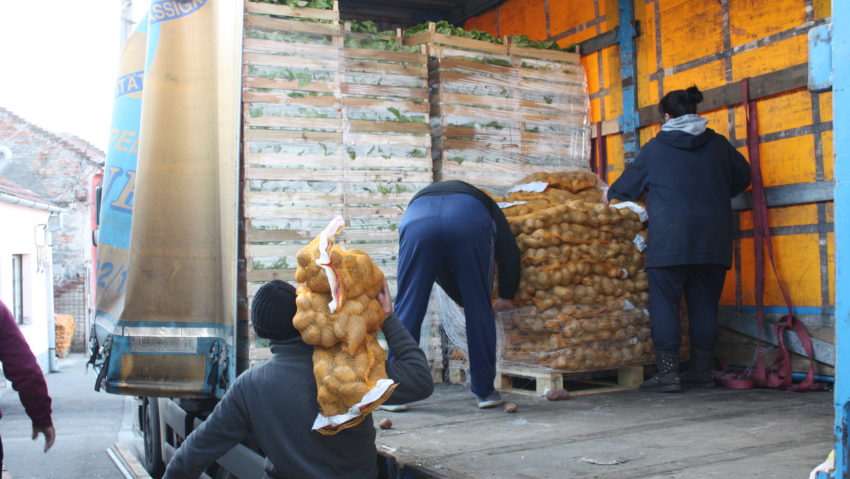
<point x="689" y="174"/>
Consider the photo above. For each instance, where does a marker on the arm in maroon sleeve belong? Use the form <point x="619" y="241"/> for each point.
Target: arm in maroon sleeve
<point x="20" y="367"/>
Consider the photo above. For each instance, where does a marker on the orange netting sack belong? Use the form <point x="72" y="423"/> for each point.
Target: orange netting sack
<point x="338" y="313"/>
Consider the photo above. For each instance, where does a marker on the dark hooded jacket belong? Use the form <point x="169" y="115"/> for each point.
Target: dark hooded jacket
<point x="689" y="181"/>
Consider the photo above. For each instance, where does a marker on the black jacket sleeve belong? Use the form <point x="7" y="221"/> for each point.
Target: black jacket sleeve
<point x="507" y="255"/>
<point x="740" y="169"/>
<point x="410" y="368"/>
<point x="631" y="185"/>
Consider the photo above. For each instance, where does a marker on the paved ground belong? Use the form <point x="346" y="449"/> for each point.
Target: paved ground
<point x="86" y="424"/>
<point x="697" y="434"/>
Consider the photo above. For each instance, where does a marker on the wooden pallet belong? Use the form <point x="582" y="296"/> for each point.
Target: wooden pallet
<point x="547" y="380"/>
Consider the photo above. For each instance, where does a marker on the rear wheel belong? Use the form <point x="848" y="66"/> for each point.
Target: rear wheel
<point x="153" y="438"/>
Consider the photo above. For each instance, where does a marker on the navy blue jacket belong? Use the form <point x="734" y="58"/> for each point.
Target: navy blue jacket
<point x="689" y="181"/>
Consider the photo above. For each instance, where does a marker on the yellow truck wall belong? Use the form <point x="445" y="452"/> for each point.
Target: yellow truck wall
<point x="713" y="43"/>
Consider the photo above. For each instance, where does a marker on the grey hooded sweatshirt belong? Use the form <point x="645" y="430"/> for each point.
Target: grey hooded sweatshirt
<point x="275" y="404"/>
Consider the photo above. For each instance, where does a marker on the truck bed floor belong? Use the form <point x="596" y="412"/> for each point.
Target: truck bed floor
<point x="717" y="433"/>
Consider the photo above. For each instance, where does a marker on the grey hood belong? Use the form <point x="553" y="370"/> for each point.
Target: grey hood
<point x="690" y="123"/>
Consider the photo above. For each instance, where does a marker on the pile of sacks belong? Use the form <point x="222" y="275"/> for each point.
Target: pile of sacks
<point x="339" y="314"/>
<point x="582" y="279"/>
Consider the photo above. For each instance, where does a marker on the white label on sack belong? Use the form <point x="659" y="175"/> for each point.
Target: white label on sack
<point x="638" y="209"/>
<point x="640" y="243"/>
<point x="508" y="205"/>
<point x="533" y="187"/>
<point x="627" y="305"/>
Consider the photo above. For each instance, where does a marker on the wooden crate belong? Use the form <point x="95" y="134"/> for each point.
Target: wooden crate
<point x="628" y="377"/>
<point x="501" y="112"/>
<point x="330" y="129"/>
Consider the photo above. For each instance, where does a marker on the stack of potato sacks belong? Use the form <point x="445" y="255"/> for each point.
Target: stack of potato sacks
<point x="582" y="277"/>
<point x="338" y="313"/>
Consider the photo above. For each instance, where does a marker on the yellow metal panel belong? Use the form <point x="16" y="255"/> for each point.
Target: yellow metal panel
<point x="485" y="22"/>
<point x="798" y="262"/>
<point x="523" y="17"/>
<point x="753" y="19"/>
<point x="785" y="216"/>
<point x="648" y="133"/>
<point x="577" y="37"/>
<point x="830" y="253"/>
<point x="690" y="29"/>
<point x="718" y="120"/>
<point x="788" y="161"/>
<point x="706" y="76"/>
<point x="828" y="157"/>
<point x="823" y="8"/>
<point x="611" y="67"/>
<point x="615" y="156"/>
<point x="647" y="90"/>
<point x="783" y="112"/>
<point x="777" y="56"/>
<point x="595" y="110"/>
<point x="568" y="14"/>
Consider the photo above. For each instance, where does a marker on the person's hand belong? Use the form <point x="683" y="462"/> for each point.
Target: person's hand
<point x="502" y="304"/>
<point x="605" y="199"/>
<point x="49" y="435"/>
<point x="385" y="299"/>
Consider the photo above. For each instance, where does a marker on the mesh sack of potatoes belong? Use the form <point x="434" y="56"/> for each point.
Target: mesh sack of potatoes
<point x="578" y="337"/>
<point x="583" y="287"/>
<point x="338" y="313"/>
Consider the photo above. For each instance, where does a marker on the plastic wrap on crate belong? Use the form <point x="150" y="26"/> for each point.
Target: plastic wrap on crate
<point x="499" y="116"/>
<point x="336" y="123"/>
<point x="577" y="337"/>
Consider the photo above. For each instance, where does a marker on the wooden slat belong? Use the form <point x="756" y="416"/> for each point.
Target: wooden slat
<point x="477" y="67"/>
<point x="418" y="71"/>
<point x="442" y="98"/>
<point x="576" y="118"/>
<point x="566" y="57"/>
<point x="437" y="38"/>
<point x="383" y="55"/>
<point x="483" y="113"/>
<point x="293" y="136"/>
<point x="335" y="175"/>
<point x="290" y="62"/>
<point x="278" y="160"/>
<point x="486" y="167"/>
<point x="384" y="91"/>
<point x="555" y="89"/>
<point x="265" y="236"/>
<point x="284" y="99"/>
<point x="389" y="126"/>
<point x="303" y="49"/>
<point x="545" y="149"/>
<point x="370" y="246"/>
<point x="547" y="75"/>
<point x="287" y="11"/>
<point x="491" y="135"/>
<point x="481" y="146"/>
<point x="294" y="122"/>
<point x="609" y="127"/>
<point x="300" y="212"/>
<point x="277" y="24"/>
<point x="543" y="138"/>
<point x="542" y="105"/>
<point x="308" y="197"/>
<point x="266" y="275"/>
<point x="423" y="141"/>
<point x="292" y="85"/>
<point x="373" y="104"/>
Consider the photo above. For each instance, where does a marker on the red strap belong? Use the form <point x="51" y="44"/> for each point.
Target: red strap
<point x="780" y="373"/>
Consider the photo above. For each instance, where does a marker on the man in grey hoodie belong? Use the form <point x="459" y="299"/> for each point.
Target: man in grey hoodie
<point x="275" y="402"/>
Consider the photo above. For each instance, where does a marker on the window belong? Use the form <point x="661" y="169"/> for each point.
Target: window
<point x="18" y="287"/>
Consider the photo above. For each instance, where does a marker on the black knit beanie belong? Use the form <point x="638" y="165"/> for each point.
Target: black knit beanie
<point x="273" y="309"/>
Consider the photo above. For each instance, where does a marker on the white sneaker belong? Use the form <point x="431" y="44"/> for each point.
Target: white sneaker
<point x="493" y="400"/>
<point x="393" y="407"/>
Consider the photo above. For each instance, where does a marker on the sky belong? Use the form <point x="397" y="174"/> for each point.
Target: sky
<point x="58" y="63"/>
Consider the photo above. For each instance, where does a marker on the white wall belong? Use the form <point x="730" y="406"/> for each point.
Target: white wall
<point x="18" y="236"/>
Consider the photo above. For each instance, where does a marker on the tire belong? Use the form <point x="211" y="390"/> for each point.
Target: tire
<point x="153" y="438"/>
